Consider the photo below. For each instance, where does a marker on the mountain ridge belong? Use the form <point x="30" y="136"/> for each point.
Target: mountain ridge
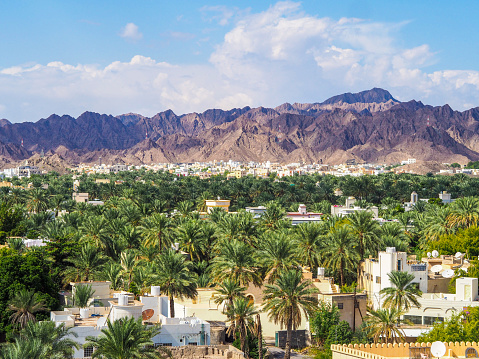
<point x="369" y="126"/>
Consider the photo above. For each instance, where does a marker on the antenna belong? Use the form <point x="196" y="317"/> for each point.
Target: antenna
<point x="437" y="268"/>
<point x="435" y="253"/>
<point x="438" y="349"/>
<point x="458" y="255"/>
<point x="147" y="314"/>
<point x="429" y="254"/>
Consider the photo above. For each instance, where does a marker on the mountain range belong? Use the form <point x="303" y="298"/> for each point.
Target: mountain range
<point x="369" y="126"/>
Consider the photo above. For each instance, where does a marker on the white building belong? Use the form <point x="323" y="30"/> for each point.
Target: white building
<point x="154" y="309"/>
<point x="257" y="211"/>
<point x="349" y="208"/>
<point x="374" y="276"/>
<point x="22" y="171"/>
<point x="303" y="216"/>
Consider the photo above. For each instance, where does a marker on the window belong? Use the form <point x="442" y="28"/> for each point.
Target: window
<point x="164" y="344"/>
<point x="414" y="319"/>
<point x="88" y="352"/>
<point x="399" y="265"/>
<point x="192" y="343"/>
<point x="378" y="280"/>
<point x="418" y="267"/>
<point x="340" y="305"/>
<point x="432" y="320"/>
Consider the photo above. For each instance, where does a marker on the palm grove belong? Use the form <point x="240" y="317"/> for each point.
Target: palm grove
<point x="128" y="241"/>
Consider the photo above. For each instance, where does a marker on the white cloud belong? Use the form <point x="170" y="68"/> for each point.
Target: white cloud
<point x="131" y="32"/>
<point x="279" y="55"/>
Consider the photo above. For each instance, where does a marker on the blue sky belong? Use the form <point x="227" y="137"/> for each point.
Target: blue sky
<point x="114" y="57"/>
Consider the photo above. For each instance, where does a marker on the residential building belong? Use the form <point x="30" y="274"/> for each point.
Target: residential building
<point x="218" y="203"/>
<point x="303" y="216"/>
<point x="153" y="308"/>
<point x="349" y="208"/>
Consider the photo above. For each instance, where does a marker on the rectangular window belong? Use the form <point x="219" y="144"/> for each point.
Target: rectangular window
<point x="378" y="280"/>
<point x="88" y="352"/>
<point x="414" y="319"/>
<point x="399" y="265"/>
<point x="193" y="343"/>
<point x="418" y="267"/>
<point x="340" y="305"/>
<point x="432" y="320"/>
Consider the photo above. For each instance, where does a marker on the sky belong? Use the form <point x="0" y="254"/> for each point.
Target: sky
<point x="147" y="56"/>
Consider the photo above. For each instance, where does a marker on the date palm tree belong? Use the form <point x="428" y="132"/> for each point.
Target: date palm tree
<point x="191" y="238"/>
<point x="366" y="231"/>
<point x="286" y="299"/>
<point x="309" y="242"/>
<point x="171" y="272"/>
<point x="125" y="339"/>
<point x="56" y="340"/>
<point x="276" y="254"/>
<point x="25" y="304"/>
<point x="227" y="291"/>
<point x="155" y="230"/>
<point x="236" y="262"/>
<point x="339" y="252"/>
<point x="86" y="264"/>
<point x="464" y="212"/>
<point x="383" y="325"/>
<point x="403" y="293"/>
<point x="23" y="348"/>
<point x="241" y="315"/>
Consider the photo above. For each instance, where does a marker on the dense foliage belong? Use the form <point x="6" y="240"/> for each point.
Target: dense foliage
<point x="130" y="240"/>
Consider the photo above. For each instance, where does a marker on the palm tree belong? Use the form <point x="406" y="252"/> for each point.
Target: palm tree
<point x="240" y="315"/>
<point x="112" y="272"/>
<point x="259" y="334"/>
<point x="227" y="291"/>
<point x="83" y="294"/>
<point x="171" y="272"/>
<point x="85" y="264"/>
<point x="16" y="244"/>
<point x="155" y="230"/>
<point x="464" y="212"/>
<point x="54" y="339"/>
<point x="191" y="238"/>
<point x="128" y="261"/>
<point x="277" y="254"/>
<point x="23" y="348"/>
<point x="125" y="339"/>
<point x="273" y="215"/>
<point x="383" y="327"/>
<point x="236" y="262"/>
<point x="403" y="293"/>
<point x="339" y="252"/>
<point x="309" y="241"/>
<point x="287" y="299"/>
<point x="25" y="304"/>
<point x="94" y="228"/>
<point x="366" y="230"/>
<point x="37" y="200"/>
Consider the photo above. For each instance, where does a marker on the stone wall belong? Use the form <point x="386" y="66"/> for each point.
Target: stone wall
<point x="206" y="352"/>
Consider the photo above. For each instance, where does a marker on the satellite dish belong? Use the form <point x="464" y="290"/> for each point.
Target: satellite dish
<point x="101" y="322"/>
<point x="429" y="254"/>
<point x="435" y="253"/>
<point x="147" y="314"/>
<point x="438" y="349"/>
<point x="436" y="268"/>
<point x="458" y="255"/>
<point x="448" y="273"/>
<point x="464" y="269"/>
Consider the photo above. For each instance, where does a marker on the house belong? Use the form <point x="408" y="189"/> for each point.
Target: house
<point x="349" y="208"/>
<point x="152" y="308"/>
<point x="257" y="211"/>
<point x="217" y="203"/>
<point x="303" y="216"/>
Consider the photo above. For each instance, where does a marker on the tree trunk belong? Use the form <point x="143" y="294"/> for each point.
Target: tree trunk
<point x="260" y="337"/>
<point x="341" y="270"/>
<point x="244" y="347"/>
<point x="289" y="329"/>
<point x="172" y="307"/>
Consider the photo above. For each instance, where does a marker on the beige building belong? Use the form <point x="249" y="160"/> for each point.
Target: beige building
<point x="218" y="203"/>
